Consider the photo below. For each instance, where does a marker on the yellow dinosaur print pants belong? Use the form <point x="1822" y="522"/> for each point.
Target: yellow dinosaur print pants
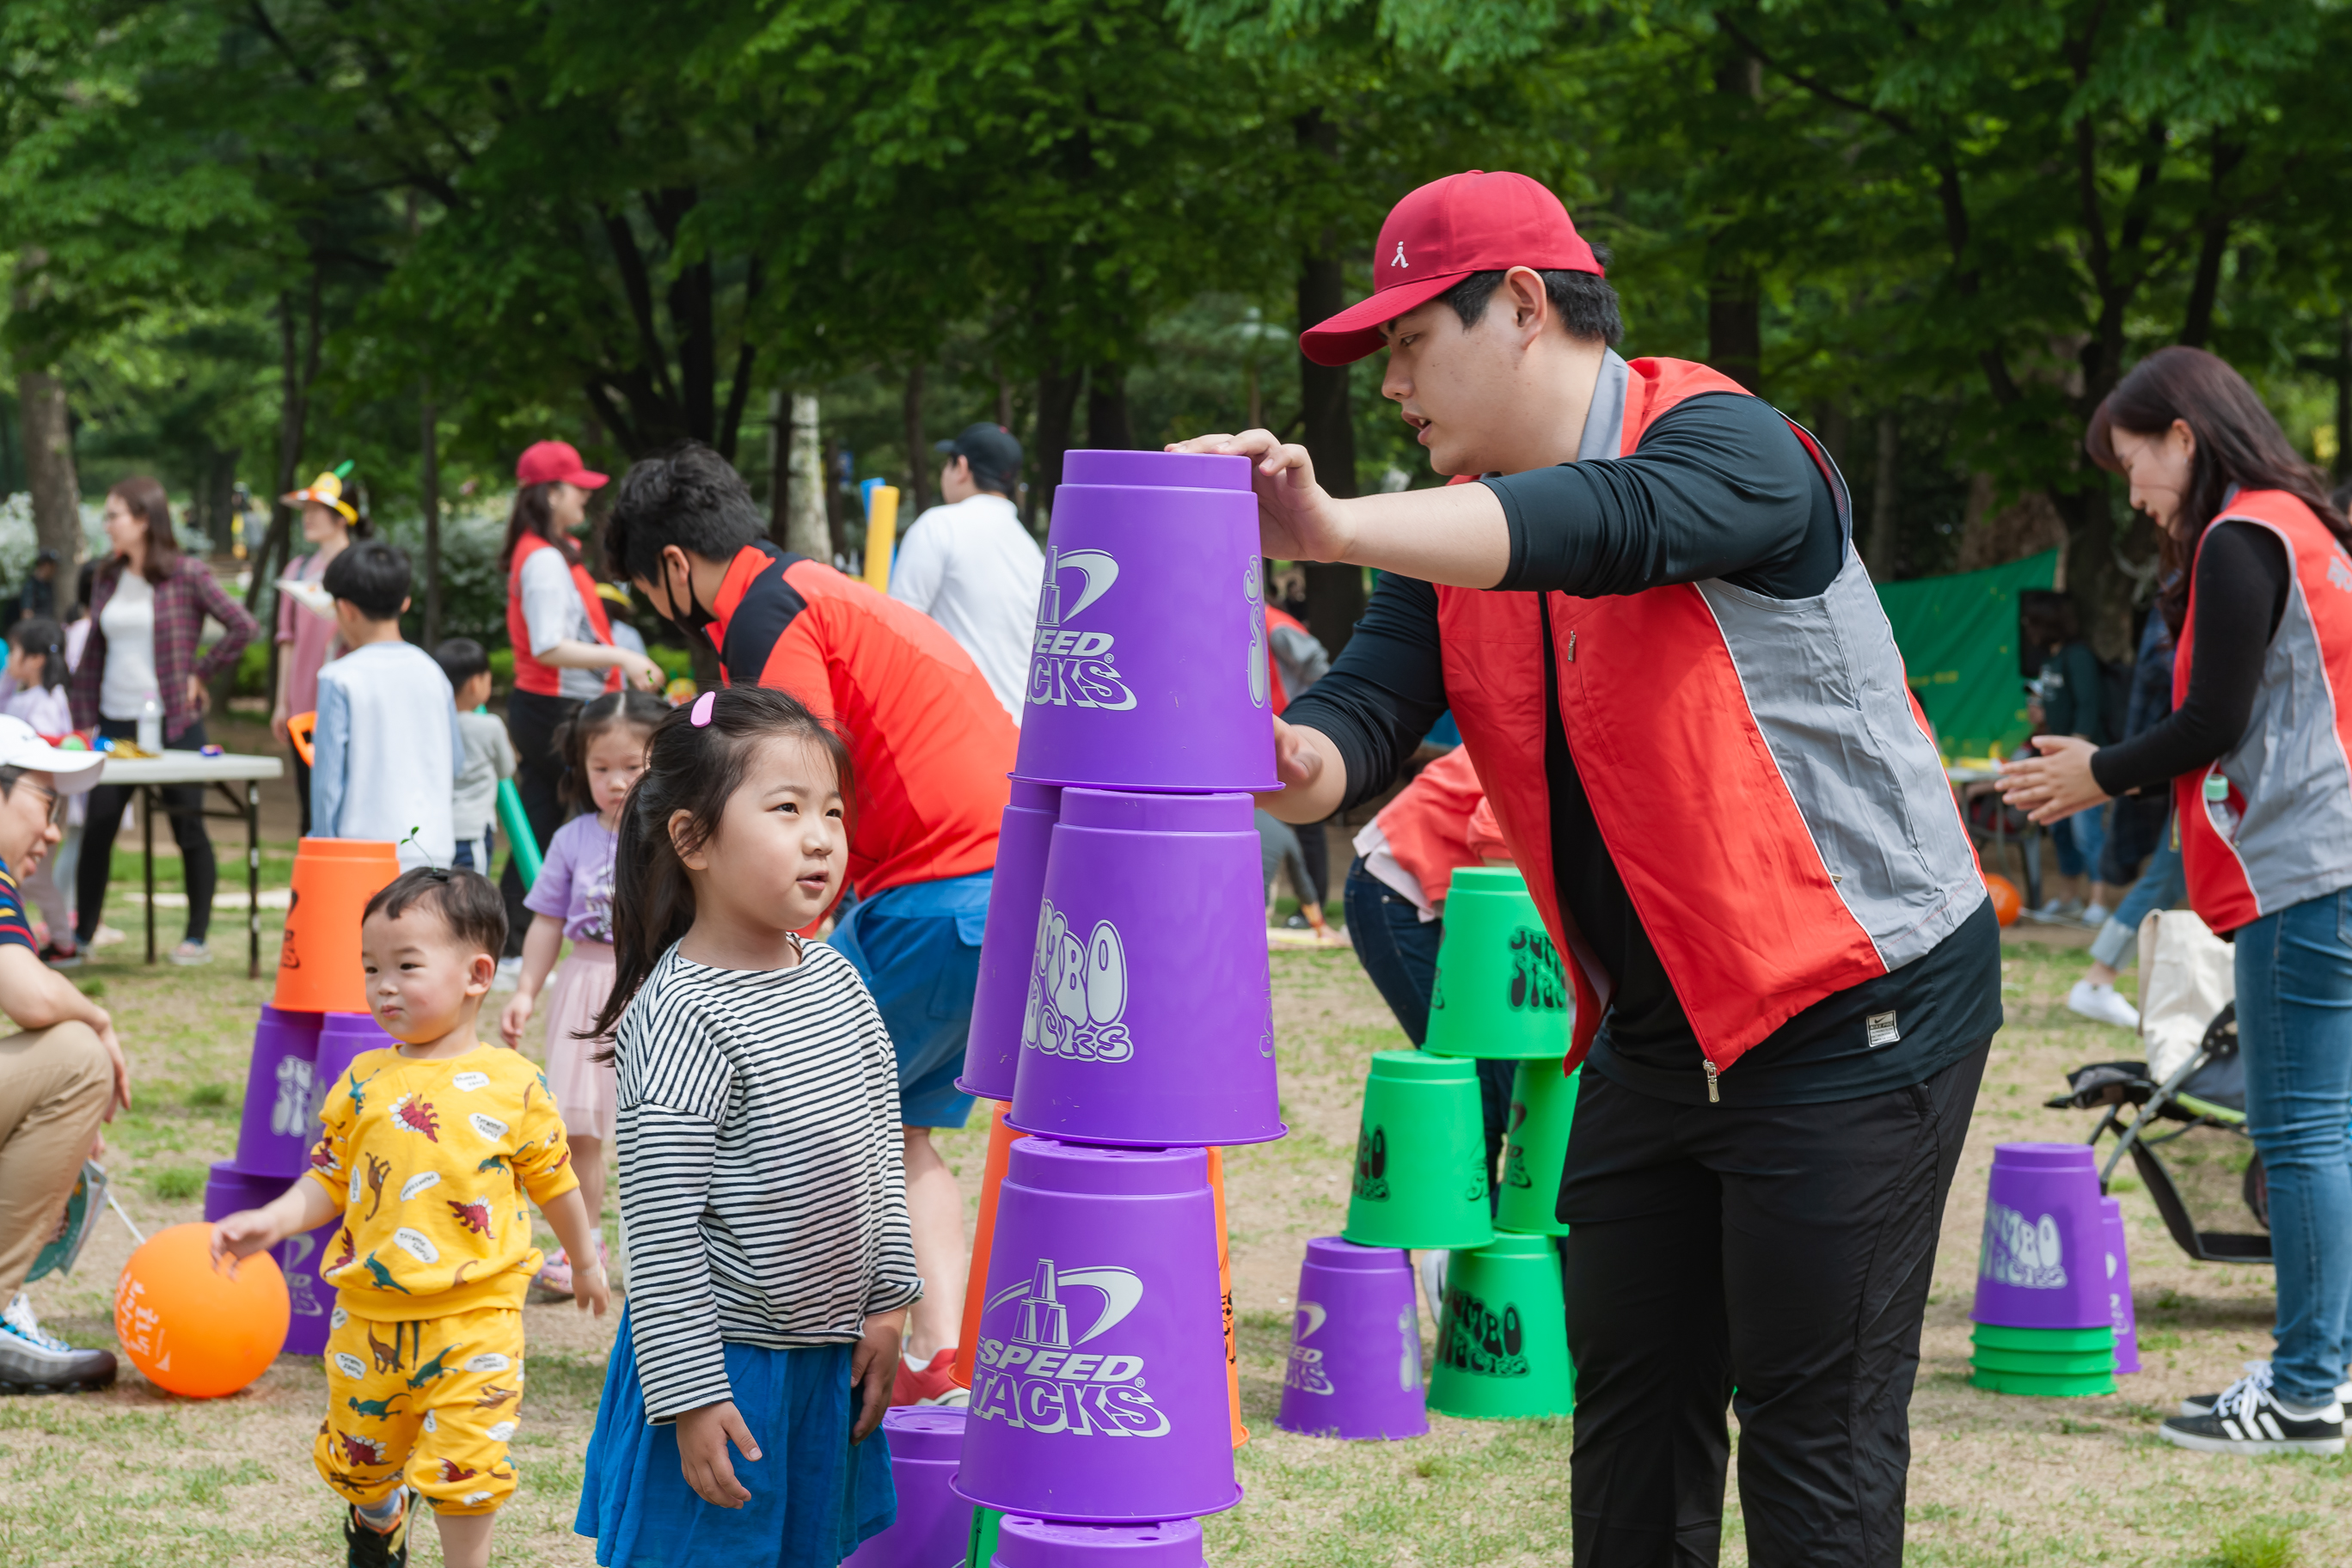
<point x="434" y="1399"/>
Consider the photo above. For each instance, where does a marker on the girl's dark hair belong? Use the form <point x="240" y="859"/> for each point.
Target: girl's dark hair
<point x="694" y="769"/>
<point x="532" y="515"/>
<point x="145" y="498"/>
<point x="2045" y="618"/>
<point x="38" y="634"/>
<point x="2237" y="443"/>
<point x="640" y="709"/>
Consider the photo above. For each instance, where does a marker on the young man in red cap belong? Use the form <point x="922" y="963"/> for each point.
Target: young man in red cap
<point x="1641" y="600"/>
<point x="931" y="747"/>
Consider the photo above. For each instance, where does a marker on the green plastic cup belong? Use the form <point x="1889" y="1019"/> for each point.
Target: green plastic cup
<point x="2079" y="1387"/>
<point x="1997" y="1337"/>
<point x="2043" y="1363"/>
<point x="1543" y="1106"/>
<point x="980" y="1545"/>
<point x="1500" y="990"/>
<point x="1502" y="1339"/>
<point x="1420" y="1157"/>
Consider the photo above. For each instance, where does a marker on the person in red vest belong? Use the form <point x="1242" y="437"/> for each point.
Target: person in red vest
<point x="1640" y="599"/>
<point x="562" y="643"/>
<point x="2255" y="755"/>
<point x="930" y="749"/>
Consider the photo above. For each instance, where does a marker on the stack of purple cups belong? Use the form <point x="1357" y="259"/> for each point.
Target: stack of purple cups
<point x="1125" y="1012"/>
<point x="283" y="1090"/>
<point x="2053" y="1287"/>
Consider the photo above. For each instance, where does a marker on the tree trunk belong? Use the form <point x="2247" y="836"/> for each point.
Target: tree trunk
<point x="780" y="452"/>
<point x="2344" y="398"/>
<point x="49" y="473"/>
<point x="1106" y="422"/>
<point x="428" y="484"/>
<point x="919" y="451"/>
<point x="805" y="533"/>
<point x="835" y="514"/>
<point x="1883" y="497"/>
<point x="1735" y="323"/>
<point x="1335" y="591"/>
<point x="1057" y="401"/>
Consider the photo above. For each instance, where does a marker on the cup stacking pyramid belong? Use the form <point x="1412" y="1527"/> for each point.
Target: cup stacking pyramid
<point x="280" y="1121"/>
<point x="1151" y="1017"/>
<point x="1042" y="1543"/>
<point x="319" y="961"/>
<point x="1008" y="946"/>
<point x="1502" y="1340"/>
<point x="933" y="1522"/>
<point x="1099" y="1393"/>
<point x="1355" y="1348"/>
<point x="1500" y="990"/>
<point x="1420" y="1157"/>
<point x="309" y="1298"/>
<point x="1148" y="668"/>
<point x="1543" y="1107"/>
<point x="2044" y="1322"/>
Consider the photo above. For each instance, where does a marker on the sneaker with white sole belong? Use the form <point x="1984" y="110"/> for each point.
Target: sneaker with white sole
<point x="508" y="976"/>
<point x="2250" y="1420"/>
<point x="33" y="1361"/>
<point x="2203" y="1403"/>
<point x="2102" y="1003"/>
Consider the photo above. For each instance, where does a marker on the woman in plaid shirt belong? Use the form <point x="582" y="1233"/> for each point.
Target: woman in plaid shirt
<point x="145" y="623"/>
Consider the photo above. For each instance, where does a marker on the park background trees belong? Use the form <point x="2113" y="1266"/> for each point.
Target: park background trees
<point x="249" y="239"/>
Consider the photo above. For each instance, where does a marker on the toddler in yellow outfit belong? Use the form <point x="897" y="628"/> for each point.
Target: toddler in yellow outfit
<point x="429" y="1151"/>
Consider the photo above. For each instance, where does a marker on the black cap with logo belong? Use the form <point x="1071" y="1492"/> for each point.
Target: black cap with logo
<point x="994" y="453"/>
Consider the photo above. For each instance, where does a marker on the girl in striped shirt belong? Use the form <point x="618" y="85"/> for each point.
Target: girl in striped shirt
<point x="771" y="1264"/>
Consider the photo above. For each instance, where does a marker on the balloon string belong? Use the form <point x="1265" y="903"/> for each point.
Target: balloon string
<point x="116" y="1205"/>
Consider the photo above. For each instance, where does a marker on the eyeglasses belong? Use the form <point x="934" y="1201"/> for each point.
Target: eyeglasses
<point x="57" y="801"/>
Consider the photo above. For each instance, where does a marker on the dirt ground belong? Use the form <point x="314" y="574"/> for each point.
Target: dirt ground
<point x="135" y="1477"/>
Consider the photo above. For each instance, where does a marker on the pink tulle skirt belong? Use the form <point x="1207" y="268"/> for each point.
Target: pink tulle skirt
<point x="585" y="1090"/>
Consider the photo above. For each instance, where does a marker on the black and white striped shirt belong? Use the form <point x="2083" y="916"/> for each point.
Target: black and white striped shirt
<point x="762" y="1175"/>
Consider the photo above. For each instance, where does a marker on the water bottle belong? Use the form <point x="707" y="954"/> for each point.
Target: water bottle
<point x="151" y="724"/>
<point x="2217" y="806"/>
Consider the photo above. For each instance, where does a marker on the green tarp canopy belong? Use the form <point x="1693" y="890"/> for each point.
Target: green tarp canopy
<point x="1958" y="637"/>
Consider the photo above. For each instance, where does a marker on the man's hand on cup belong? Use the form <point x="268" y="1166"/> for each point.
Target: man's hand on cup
<point x="1298" y="519"/>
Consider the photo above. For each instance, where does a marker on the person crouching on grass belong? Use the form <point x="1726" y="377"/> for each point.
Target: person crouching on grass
<point x="771" y="1262"/>
<point x="429" y="1150"/>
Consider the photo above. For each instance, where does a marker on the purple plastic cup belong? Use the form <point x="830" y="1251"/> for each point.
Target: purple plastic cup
<point x="1046" y="1544"/>
<point x="1098" y="1388"/>
<point x="1149" y="666"/>
<point x="280" y="1121"/>
<point x="1150" y="1018"/>
<point x="1008" y="947"/>
<point x="228" y="1191"/>
<point x="932" y="1524"/>
<point x="343" y="1039"/>
<point x="2042" y="1261"/>
<point x="2118" y="1287"/>
<point x="1355" y="1347"/>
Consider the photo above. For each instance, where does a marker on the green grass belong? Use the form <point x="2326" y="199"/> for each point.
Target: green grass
<point x="2254" y="1546"/>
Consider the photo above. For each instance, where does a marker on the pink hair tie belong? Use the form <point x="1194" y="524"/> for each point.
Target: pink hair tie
<point x="702" y="706"/>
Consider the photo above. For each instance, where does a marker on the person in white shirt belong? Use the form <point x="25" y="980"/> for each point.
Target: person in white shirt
<point x="970" y="566"/>
<point x="386" y="753"/>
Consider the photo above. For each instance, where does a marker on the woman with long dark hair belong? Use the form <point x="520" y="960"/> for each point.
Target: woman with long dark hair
<point x="2259" y="595"/>
<point x="563" y="646"/>
<point x="147" y="610"/>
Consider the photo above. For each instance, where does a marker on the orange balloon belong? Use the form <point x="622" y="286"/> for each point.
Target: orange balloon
<point x="2006" y="903"/>
<point x="191" y="1329"/>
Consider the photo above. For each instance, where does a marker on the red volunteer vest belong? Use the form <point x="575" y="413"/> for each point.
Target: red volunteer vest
<point x="530" y="675"/>
<point x="1758" y="771"/>
<point x="2284" y="834"/>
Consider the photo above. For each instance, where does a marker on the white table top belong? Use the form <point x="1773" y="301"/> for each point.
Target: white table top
<point x="1971" y="772"/>
<point x="189" y="767"/>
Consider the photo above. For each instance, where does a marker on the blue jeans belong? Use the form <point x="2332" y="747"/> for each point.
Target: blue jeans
<point x="1399" y="952"/>
<point x="917" y="947"/>
<point x="2078" y="841"/>
<point x="2160" y="887"/>
<point x="2294" y="1027"/>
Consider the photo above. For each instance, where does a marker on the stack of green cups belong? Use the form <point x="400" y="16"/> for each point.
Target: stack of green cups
<point x="1500" y="991"/>
<point x="1502" y="1340"/>
<point x="1420" y="1157"/>
<point x="1543" y="1107"/>
<point x="2053" y="1363"/>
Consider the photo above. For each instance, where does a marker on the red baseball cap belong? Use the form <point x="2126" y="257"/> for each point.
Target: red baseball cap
<point x="1473" y="222"/>
<point x="547" y="462"/>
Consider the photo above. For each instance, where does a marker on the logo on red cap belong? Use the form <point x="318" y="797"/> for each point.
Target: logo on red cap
<point x="1473" y="222"/>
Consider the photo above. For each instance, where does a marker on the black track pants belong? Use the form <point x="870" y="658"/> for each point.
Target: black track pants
<point x="1782" y="1250"/>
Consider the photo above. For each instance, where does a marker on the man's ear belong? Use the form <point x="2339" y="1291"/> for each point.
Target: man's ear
<point x="1523" y="288"/>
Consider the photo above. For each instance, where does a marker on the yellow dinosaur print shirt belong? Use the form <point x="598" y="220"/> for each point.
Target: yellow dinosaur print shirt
<point x="430" y="1161"/>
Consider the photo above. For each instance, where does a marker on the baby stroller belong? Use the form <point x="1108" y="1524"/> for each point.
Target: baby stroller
<point x="2188" y="1140"/>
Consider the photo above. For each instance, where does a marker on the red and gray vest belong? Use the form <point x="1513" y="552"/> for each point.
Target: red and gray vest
<point x="1758" y="772"/>
<point x="2284" y="833"/>
<point x="530" y="675"/>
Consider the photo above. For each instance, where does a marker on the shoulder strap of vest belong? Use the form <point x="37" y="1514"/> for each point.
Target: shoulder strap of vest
<point x="1670" y="381"/>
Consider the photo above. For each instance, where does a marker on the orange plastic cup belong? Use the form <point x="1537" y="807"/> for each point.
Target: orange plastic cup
<point x="319" y="966"/>
<point x="1000" y="1139"/>
<point x="1225" y="1287"/>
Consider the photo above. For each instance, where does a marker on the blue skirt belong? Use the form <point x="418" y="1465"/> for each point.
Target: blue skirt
<point x="813" y="1496"/>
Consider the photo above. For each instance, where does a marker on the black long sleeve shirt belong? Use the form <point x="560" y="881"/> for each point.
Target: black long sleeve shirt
<point x="1719" y="487"/>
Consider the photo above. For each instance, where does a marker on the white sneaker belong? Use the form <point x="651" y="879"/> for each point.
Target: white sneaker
<point x="2103" y="1005"/>
<point x="2095" y="914"/>
<point x="2249" y="1419"/>
<point x="2257" y="1371"/>
<point x="33" y="1361"/>
<point x="509" y="975"/>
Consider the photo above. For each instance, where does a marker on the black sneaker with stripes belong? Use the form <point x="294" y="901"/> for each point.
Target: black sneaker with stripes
<point x="2249" y="1418"/>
